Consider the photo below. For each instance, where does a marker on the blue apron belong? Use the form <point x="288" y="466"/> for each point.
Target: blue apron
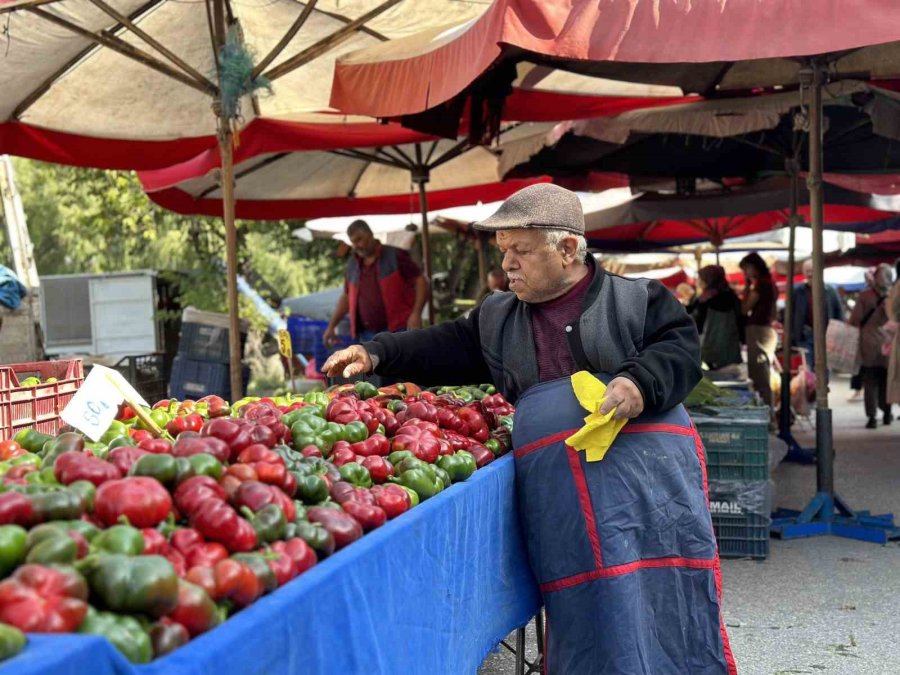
<point x="623" y="548"/>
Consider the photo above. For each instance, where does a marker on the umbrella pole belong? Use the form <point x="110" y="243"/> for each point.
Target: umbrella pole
<point x="234" y="327"/>
<point x="482" y="257"/>
<point x="420" y="178"/>
<point x="826" y="513"/>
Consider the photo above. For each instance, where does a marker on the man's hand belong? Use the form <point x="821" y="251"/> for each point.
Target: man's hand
<point x="348" y="362"/>
<point x="414" y="322"/>
<point x="328" y="337"/>
<point x="623" y="395"/>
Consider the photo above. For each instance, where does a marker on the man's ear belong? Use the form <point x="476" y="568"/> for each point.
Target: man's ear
<point x="568" y="246"/>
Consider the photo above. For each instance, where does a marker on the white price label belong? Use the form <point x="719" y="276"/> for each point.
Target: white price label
<point x="94" y="406"/>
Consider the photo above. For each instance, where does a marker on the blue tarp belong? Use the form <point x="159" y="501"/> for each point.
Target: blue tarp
<point x="11" y="289"/>
<point x="431" y="592"/>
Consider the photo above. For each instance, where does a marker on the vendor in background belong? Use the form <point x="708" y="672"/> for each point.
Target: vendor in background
<point x="758" y="306"/>
<point x="802" y="317"/>
<point x="687" y="296"/>
<point x="870" y="316"/>
<point x="384" y="289"/>
<point x="892" y="328"/>
<point x="719" y="319"/>
<point x="495" y="282"/>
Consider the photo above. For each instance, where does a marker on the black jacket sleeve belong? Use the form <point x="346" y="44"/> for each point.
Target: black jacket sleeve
<point x="668" y="366"/>
<point x="449" y="353"/>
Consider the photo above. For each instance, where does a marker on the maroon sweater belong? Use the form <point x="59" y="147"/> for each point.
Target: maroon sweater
<point x="550" y="321"/>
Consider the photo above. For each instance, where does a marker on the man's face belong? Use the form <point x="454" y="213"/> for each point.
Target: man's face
<point x="808" y="271"/>
<point x="536" y="272"/>
<point x="883" y="277"/>
<point x="363" y="243"/>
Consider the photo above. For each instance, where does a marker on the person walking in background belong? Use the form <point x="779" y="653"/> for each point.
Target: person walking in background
<point x="802" y="316"/>
<point x="892" y="327"/>
<point x="758" y="306"/>
<point x="687" y="296"/>
<point x="495" y="282"/>
<point x="719" y="319"/>
<point x="384" y="289"/>
<point x="870" y="316"/>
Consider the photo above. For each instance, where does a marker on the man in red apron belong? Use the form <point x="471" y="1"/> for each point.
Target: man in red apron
<point x="623" y="548"/>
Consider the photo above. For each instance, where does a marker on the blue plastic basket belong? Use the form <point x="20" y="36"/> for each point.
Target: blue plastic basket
<point x="322" y="351"/>
<point x="192" y="379"/>
<point x="306" y="334"/>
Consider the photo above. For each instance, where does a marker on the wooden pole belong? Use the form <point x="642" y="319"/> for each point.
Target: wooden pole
<point x="788" y="323"/>
<point x="420" y="177"/>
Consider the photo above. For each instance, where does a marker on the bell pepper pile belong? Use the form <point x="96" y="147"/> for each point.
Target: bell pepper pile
<point x="151" y="537"/>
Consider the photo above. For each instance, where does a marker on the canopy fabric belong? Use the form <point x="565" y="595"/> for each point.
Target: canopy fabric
<point x="342" y="183"/>
<point x="684" y="43"/>
<point x="65" y="99"/>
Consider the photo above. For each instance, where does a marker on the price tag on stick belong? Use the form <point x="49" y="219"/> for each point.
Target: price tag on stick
<point x="94" y="406"/>
<point x="287" y="351"/>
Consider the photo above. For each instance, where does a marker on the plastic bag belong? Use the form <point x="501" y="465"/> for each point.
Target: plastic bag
<point x="842" y="346"/>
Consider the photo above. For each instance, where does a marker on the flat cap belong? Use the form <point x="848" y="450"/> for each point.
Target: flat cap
<point x="543" y="206"/>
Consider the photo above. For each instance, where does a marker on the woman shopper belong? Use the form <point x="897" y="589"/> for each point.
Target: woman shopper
<point x="719" y="321"/>
<point x="758" y="306"/>
<point x="870" y="316"/>
<point x="893" y="328"/>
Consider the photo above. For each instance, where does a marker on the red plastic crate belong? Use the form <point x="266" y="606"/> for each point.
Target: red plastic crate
<point x="36" y="407"/>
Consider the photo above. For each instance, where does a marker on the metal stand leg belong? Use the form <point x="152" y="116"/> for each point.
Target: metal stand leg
<point x="520" y="651"/>
<point x="523" y="665"/>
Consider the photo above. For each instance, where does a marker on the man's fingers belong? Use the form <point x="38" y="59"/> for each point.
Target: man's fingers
<point x="354" y="368"/>
<point x="337" y="362"/>
<point x="610" y="403"/>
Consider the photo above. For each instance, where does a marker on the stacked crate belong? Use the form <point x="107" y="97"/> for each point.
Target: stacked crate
<point x="201" y="367"/>
<point x="736" y="445"/>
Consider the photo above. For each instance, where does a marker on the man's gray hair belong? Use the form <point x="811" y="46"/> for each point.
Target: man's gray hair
<point x="554" y="239"/>
<point x="358" y="226"/>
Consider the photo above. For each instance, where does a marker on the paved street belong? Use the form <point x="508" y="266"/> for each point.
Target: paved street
<point x="823" y="605"/>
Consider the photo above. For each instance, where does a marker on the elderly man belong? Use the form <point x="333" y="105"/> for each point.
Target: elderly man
<point x="802" y="315"/>
<point x="623" y="548"/>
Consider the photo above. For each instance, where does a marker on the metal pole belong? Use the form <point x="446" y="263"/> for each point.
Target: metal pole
<point x="814" y="77"/>
<point x="420" y="178"/>
<point x="788" y="322"/>
<point x="226" y="151"/>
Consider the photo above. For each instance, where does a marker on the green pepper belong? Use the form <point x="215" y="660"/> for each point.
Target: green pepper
<point x="476" y="393"/>
<point x="124" y="632"/>
<point x="160" y="418"/>
<point x="143" y="584"/>
<point x="464" y="395"/>
<point x="355" y="432"/>
<point x="120" y="441"/>
<point x="269" y="523"/>
<point x="87" y="530"/>
<point x="116" y="430"/>
<point x="396" y="406"/>
<point x="12" y="548"/>
<point x="442" y="475"/>
<point x="257" y="563"/>
<point x="43" y="532"/>
<point x="413" y="462"/>
<point x="60" y="550"/>
<point x="183" y="469"/>
<point x="47" y="476"/>
<point x="365" y="389"/>
<point x="161" y="467"/>
<point x="57" y="505"/>
<point x="317" y="398"/>
<point x="493" y="445"/>
<point x="60" y="445"/>
<point x="27" y="458"/>
<point x="459" y="466"/>
<point x="318" y="538"/>
<point x="312" y="430"/>
<point x="205" y="464"/>
<point x="398" y="456"/>
<point x="12" y="641"/>
<point x="312" y="489"/>
<point x="420" y="481"/>
<point x="120" y="539"/>
<point x="86" y="490"/>
<point x="356" y="474"/>
<point x="333" y="432"/>
<point x="100" y="450"/>
<point x="488" y="389"/>
<point x="413" y="496"/>
<point x="32" y="440"/>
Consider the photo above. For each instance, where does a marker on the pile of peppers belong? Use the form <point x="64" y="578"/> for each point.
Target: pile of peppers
<point x="151" y="537"/>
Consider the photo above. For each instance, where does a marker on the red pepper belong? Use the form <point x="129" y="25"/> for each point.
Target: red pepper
<point x="343" y="527"/>
<point x="139" y="435"/>
<point x="243" y="472"/>
<point x="217" y="521"/>
<point x="38" y="599"/>
<point x="377" y="444"/>
<point x="341" y="456"/>
<point x="259" y="453"/>
<point x="256" y="496"/>
<point x="19" y="471"/>
<point x="125" y="413"/>
<point x="448" y="419"/>
<point x="216" y="406"/>
<point x="341" y="491"/>
<point x="196" y="490"/>
<point x="342" y="410"/>
<point x="281" y="565"/>
<point x="178" y="562"/>
<point x="207" y="554"/>
<point x="483" y="456"/>
<point x="195" y="609"/>
<point x="154" y="542"/>
<point x="420" y="441"/>
<point x="423" y="424"/>
<point x="142" y="500"/>
<point x="418" y="410"/>
<point x="165" y="404"/>
<point x="367" y="515"/>
<point x="478" y="427"/>
<point x="15" y="509"/>
<point x="313" y="451"/>
<point x="300" y="553"/>
<point x="124" y="456"/>
<point x="230" y="484"/>
<point x="190" y="422"/>
<point x="289" y="484"/>
<point x="363" y="496"/>
<point x="392" y="498"/>
<point x="458" y="441"/>
<point x="379" y="468"/>
<point x="189" y="444"/>
<point x="263" y="434"/>
<point x="157" y="446"/>
<point x="227" y="580"/>
<point x="184" y="539"/>
<point x="71" y="466"/>
<point x="273" y="474"/>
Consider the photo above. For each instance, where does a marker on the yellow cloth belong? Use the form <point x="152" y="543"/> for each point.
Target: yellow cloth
<point x="599" y="431"/>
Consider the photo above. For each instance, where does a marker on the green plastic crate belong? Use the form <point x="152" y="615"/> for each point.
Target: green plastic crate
<point x="740" y="516"/>
<point x="736" y="442"/>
